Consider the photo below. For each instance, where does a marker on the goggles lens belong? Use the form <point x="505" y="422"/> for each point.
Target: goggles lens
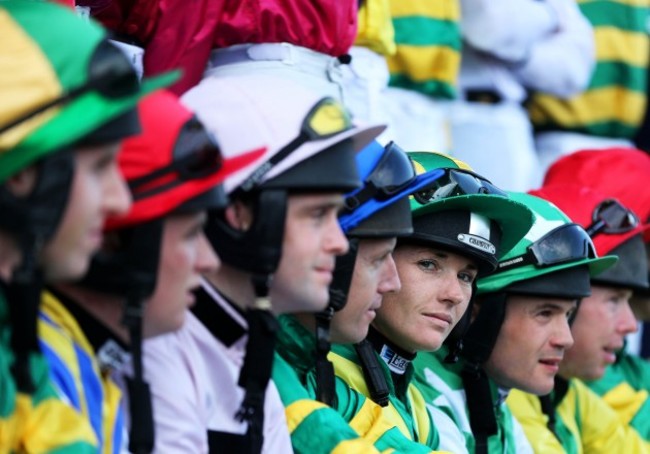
<point x="196" y="155"/>
<point x="393" y="173"/>
<point x="564" y="244"/>
<point x="109" y="73"/>
<point x="611" y="217"/>
<point x="456" y="182"/>
<point x="327" y="118"/>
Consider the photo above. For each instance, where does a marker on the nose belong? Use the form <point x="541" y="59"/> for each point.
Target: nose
<point x="627" y="323"/>
<point x="390" y="278"/>
<point x="207" y="259"/>
<point x="117" y="197"/>
<point x="451" y="290"/>
<point x="336" y="242"/>
<point x="562" y="337"/>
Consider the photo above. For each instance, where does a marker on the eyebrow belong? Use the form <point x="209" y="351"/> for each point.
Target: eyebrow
<point x="445" y="254"/>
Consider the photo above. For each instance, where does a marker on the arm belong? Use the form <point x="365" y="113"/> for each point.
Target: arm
<point x="561" y="63"/>
<point x="506" y="29"/>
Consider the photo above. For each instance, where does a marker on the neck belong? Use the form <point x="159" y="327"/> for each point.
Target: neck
<point x="234" y="284"/>
<point x="308" y="320"/>
<point x="10" y="257"/>
<point x="394" y="356"/>
<point x="107" y="309"/>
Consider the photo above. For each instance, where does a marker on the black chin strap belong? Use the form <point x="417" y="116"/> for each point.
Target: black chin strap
<point x="550" y="402"/>
<point x="338" y="297"/>
<point x="143" y="260"/>
<point x="24" y="293"/>
<point x="258" y="363"/>
<point x="325" y="378"/>
<point x="372" y="373"/>
<point x="32" y="220"/>
<point x="481" y="408"/>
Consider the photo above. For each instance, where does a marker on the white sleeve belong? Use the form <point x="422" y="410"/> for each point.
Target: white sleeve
<point x="179" y="424"/>
<point x="506" y="29"/>
<point x="562" y="63"/>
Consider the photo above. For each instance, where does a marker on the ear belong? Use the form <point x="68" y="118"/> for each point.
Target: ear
<point x="239" y="215"/>
<point x="476" y="307"/>
<point x="22" y="183"/>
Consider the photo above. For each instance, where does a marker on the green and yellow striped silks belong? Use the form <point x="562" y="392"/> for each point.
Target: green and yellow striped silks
<point x="428" y="40"/>
<point x="615" y="101"/>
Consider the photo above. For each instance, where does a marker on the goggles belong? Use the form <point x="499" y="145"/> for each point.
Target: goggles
<point x="326" y="119"/>
<point x="393" y="173"/>
<point x="611" y="217"/>
<point x="196" y="155"/>
<point x="456" y="182"/>
<point x="564" y="244"/>
<point x="110" y="74"/>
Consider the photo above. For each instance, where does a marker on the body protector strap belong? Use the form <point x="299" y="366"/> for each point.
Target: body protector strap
<point x="32" y="221"/>
<point x="257" y="251"/>
<point x="338" y="292"/>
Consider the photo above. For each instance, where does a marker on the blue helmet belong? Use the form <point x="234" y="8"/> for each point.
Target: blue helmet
<point x="381" y="207"/>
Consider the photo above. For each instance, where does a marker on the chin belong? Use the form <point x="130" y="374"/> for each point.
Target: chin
<point x="539" y="389"/>
<point x="71" y="270"/>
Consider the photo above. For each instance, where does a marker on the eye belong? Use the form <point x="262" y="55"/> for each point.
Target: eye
<point x="428" y="264"/>
<point x="467" y="277"/>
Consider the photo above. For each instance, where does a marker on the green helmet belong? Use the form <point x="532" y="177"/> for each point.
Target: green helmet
<point x="60" y="81"/>
<point x="552" y="244"/>
<point x="471" y="215"/>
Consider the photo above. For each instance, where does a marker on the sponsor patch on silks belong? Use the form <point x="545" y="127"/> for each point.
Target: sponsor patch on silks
<point x="112" y="356"/>
<point x="395" y="362"/>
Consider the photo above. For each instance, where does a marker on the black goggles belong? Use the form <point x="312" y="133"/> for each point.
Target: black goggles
<point x="611" y="217"/>
<point x="109" y="73"/>
<point x="196" y="155"/>
<point x="457" y="182"/>
<point x="393" y="173"/>
<point x="564" y="244"/>
<point x="326" y="119"/>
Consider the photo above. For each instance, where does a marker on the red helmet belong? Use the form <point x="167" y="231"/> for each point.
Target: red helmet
<point x="621" y="173"/>
<point x="174" y="164"/>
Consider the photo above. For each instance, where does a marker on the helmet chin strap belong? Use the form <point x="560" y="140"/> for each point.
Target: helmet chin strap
<point x="479" y="342"/>
<point x="339" y="289"/>
<point x="256" y="250"/>
<point x="133" y="271"/>
<point x="32" y="221"/>
<point x="258" y="362"/>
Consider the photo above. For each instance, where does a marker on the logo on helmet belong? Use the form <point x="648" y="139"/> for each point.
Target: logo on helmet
<point x="477" y="242"/>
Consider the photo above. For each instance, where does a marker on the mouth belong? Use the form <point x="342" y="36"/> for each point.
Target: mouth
<point x="610" y="354"/>
<point x="439" y="318"/>
<point x="551" y="363"/>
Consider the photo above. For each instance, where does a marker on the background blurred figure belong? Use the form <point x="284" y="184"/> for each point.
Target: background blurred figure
<point x="609" y="112"/>
<point x="423" y="73"/>
<point x="509" y="48"/>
